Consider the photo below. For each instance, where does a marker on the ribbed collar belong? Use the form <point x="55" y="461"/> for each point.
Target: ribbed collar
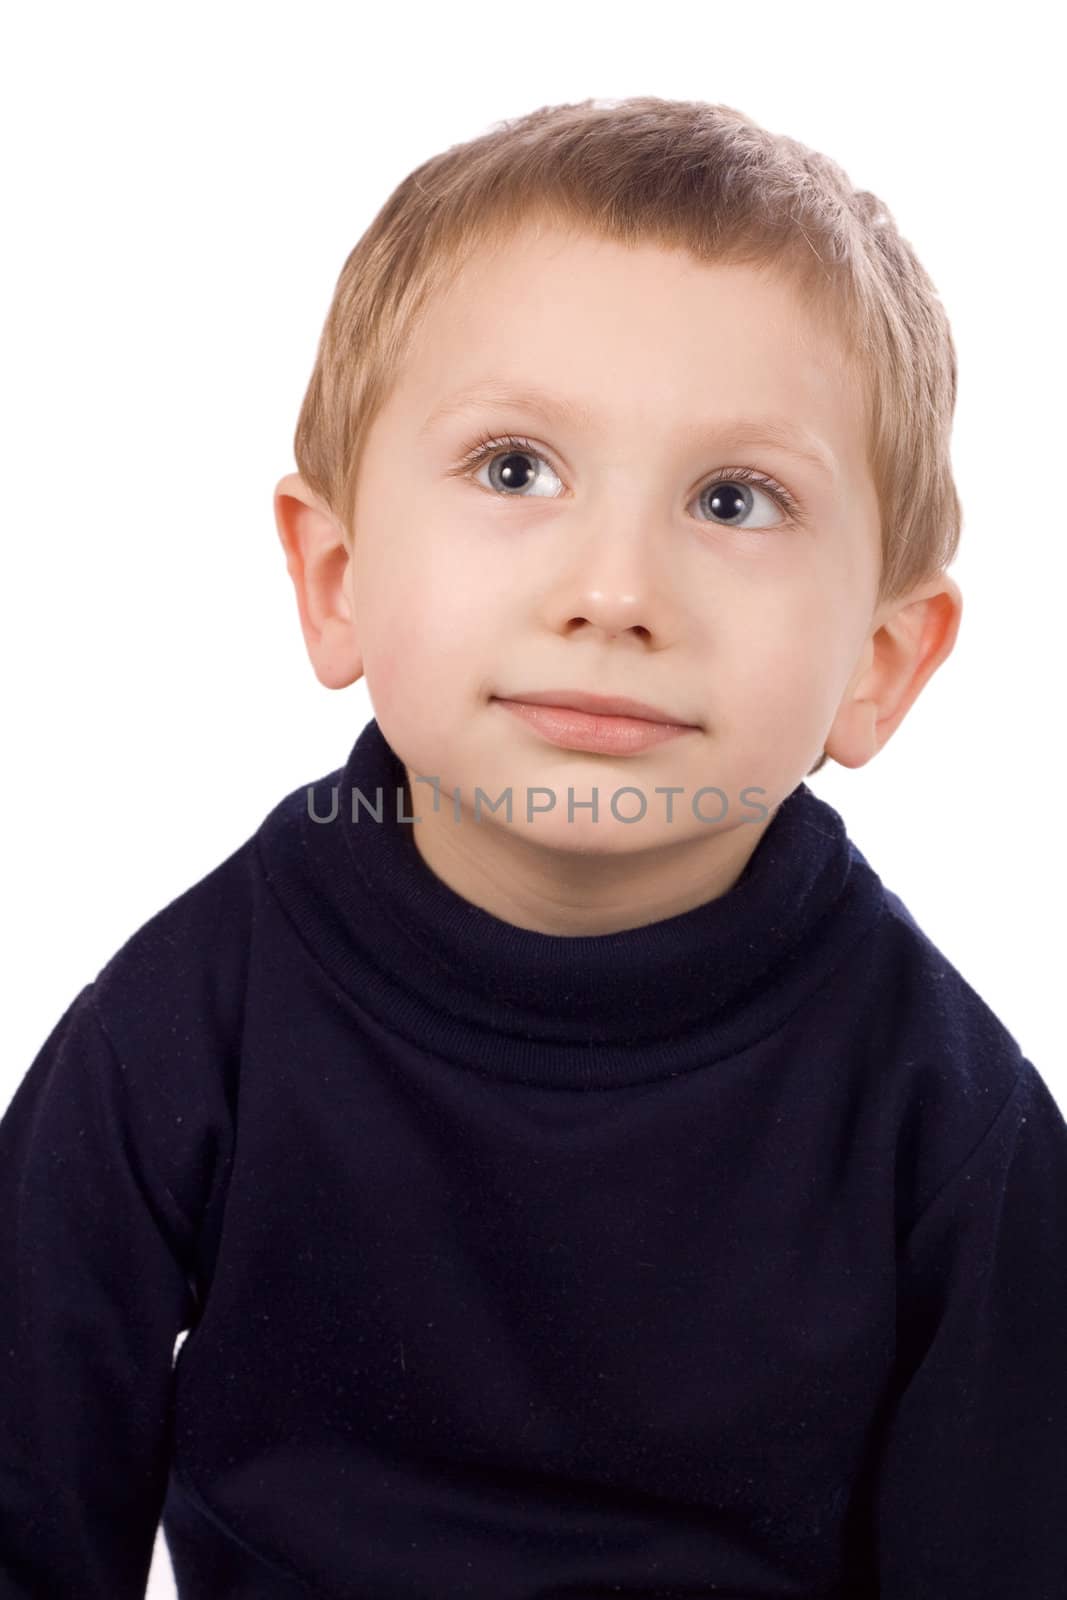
<point x="584" y="1011"/>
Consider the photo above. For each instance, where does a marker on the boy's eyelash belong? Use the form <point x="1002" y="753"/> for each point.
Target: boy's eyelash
<point x="491" y="443"/>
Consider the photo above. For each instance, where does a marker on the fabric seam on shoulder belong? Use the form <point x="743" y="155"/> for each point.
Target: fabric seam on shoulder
<point x="971" y="1156"/>
<point x="179" y="1224"/>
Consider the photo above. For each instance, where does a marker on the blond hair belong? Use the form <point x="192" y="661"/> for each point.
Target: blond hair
<point x="683" y="174"/>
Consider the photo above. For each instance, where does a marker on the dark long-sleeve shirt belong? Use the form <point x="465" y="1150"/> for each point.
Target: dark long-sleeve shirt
<point x="724" y="1256"/>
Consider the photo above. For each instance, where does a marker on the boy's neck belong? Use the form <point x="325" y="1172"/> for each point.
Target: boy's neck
<point x="578" y="892"/>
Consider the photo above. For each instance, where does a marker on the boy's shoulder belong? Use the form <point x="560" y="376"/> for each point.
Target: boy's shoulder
<point x="193" y="953"/>
<point x="181" y="978"/>
<point x="188" y="958"/>
<point x="936" y="1013"/>
<point x="943" y="1063"/>
<point x="158" y="1032"/>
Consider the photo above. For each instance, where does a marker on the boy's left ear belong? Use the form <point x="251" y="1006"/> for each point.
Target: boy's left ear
<point x="909" y="639"/>
<point x="317" y="558"/>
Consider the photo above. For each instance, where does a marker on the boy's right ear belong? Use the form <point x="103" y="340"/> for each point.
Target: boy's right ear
<point x="318" y="561"/>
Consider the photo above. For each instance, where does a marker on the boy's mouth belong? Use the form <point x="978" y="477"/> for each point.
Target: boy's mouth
<point x="598" y="705"/>
<point x="596" y="724"/>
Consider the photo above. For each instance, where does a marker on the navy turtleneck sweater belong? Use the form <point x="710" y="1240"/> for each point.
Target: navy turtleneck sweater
<point x="722" y="1257"/>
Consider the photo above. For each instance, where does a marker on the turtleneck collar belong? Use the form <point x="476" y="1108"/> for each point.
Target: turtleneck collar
<point x="560" y="1011"/>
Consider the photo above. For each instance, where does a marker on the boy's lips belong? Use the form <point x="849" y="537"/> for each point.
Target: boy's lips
<point x="589" y="726"/>
<point x="597" y="705"/>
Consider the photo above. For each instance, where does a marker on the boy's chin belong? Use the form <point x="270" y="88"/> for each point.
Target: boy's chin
<point x="607" y="837"/>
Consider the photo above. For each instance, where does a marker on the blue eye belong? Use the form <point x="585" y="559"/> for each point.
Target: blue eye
<point x="732" y="497"/>
<point x="509" y="471"/>
<point x="729" y="495"/>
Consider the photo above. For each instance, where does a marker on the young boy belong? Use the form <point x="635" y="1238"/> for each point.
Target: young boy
<point x="598" y="1185"/>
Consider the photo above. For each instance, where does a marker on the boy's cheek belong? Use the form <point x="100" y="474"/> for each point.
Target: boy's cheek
<point x="384" y="673"/>
<point x="410" y="671"/>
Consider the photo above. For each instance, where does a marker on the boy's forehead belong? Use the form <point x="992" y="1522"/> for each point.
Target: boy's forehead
<point x="561" y="293"/>
<point x="645" y="279"/>
<point x="583" y="332"/>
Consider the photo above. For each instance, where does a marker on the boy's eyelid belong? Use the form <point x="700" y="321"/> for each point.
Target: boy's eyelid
<point x="483" y="438"/>
<point x="737" y="446"/>
<point x="775" y="434"/>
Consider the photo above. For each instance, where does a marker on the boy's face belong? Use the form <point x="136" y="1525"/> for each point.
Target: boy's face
<point x="603" y="561"/>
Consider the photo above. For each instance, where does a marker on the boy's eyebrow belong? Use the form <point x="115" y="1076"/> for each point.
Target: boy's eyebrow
<point x="779" y="431"/>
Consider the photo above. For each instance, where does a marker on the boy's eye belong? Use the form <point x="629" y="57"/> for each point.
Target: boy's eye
<point x="508" y="461"/>
<point x="726" y="500"/>
<point x="509" y="470"/>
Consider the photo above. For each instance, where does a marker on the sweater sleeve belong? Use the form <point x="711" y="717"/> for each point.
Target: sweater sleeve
<point x="971" y="1496"/>
<point x="93" y="1294"/>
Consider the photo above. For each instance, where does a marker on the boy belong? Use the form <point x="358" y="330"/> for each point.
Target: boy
<point x="598" y="1185"/>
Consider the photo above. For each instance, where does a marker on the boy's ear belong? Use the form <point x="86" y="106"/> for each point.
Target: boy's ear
<point x="317" y="559"/>
<point x="909" y="639"/>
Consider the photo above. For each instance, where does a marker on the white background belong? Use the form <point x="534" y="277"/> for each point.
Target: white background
<point x="182" y="186"/>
